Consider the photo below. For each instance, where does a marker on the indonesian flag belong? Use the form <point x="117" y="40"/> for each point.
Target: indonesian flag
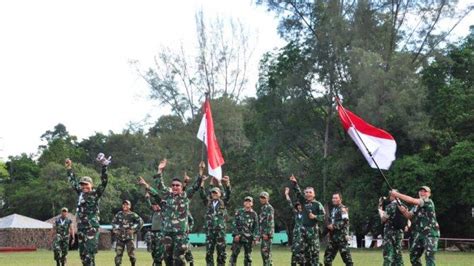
<point x="206" y="134"/>
<point x="377" y="141"/>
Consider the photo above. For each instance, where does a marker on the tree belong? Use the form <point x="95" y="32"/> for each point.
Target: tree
<point x="60" y="145"/>
<point x="218" y="67"/>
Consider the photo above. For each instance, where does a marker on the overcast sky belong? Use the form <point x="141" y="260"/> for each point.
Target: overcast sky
<point x="68" y="61"/>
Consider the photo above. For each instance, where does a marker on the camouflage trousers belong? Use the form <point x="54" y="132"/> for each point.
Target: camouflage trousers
<point x="335" y="245"/>
<point x="236" y="246"/>
<point x="298" y="247"/>
<point x="309" y="245"/>
<point x="60" y="248"/>
<point x="120" y="246"/>
<point x="188" y="256"/>
<point x="423" y="243"/>
<point x="266" y="251"/>
<point x="88" y="241"/>
<point x="175" y="246"/>
<point x="215" y="239"/>
<point x="148" y="240"/>
<point x="392" y="248"/>
<point x="156" y="248"/>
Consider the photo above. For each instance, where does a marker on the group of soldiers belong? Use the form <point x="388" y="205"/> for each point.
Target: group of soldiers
<point x="172" y="223"/>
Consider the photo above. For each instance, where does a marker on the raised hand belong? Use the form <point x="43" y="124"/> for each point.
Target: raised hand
<point x="287" y="191"/>
<point x="102" y="160"/>
<point x="202" y="166"/>
<point x="226" y="180"/>
<point x="68" y="163"/>
<point x="142" y="182"/>
<point x="293" y="179"/>
<point x="186" y="178"/>
<point x="162" y="166"/>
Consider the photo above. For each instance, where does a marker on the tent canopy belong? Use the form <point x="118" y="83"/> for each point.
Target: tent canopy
<point x="20" y="221"/>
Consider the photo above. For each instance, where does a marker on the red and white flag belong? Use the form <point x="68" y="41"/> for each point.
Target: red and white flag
<point x="206" y="134"/>
<point x="377" y="141"/>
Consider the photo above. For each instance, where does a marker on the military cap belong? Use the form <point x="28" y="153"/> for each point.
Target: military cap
<point x="264" y="194"/>
<point x="428" y="189"/>
<point x="86" y="179"/>
<point x="64" y="209"/>
<point x="215" y="189"/>
<point x="127" y="201"/>
<point x="248" y="198"/>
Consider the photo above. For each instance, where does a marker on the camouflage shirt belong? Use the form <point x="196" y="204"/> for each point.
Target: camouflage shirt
<point x="62" y="227"/>
<point x="315" y="207"/>
<point x="266" y="220"/>
<point x="88" y="203"/>
<point x="175" y="210"/>
<point x="424" y="219"/>
<point x="216" y="214"/>
<point x="390" y="211"/>
<point x="126" y="224"/>
<point x="245" y="224"/>
<point x="339" y="218"/>
<point x="298" y="216"/>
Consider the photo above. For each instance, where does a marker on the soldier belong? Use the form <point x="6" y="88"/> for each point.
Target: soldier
<point x="297" y="245"/>
<point x="88" y="210"/>
<point x="155" y="235"/>
<point x="215" y="220"/>
<point x="338" y="233"/>
<point x="175" y="212"/>
<point x="188" y="255"/>
<point x="392" y="237"/>
<point x="267" y="228"/>
<point x="63" y="229"/>
<point x="124" y="226"/>
<point x="425" y="228"/>
<point x="244" y="232"/>
<point x="313" y="213"/>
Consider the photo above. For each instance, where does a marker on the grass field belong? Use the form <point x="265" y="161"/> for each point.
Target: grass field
<point x="281" y="257"/>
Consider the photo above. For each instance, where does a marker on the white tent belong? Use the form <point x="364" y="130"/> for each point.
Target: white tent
<point x="20" y="221"/>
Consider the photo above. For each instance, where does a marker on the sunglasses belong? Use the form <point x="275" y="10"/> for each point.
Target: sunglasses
<point x="262" y="197"/>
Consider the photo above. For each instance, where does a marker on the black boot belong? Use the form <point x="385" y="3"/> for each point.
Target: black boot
<point x="57" y="263"/>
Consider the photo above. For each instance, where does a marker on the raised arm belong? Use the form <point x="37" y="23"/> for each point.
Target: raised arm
<point x="227" y="189"/>
<point x="288" y="200"/>
<point x="297" y="189"/>
<point x="158" y="179"/>
<point x="406" y="198"/>
<point x="198" y="182"/>
<point x="72" y="177"/>
<point x="104" y="180"/>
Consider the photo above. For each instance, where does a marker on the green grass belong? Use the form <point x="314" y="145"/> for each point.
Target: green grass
<point x="281" y="257"/>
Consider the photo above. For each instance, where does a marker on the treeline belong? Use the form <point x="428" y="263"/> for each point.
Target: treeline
<point x="395" y="77"/>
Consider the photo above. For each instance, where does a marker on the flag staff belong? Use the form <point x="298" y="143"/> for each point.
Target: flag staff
<point x="361" y="140"/>
<point x="206" y="98"/>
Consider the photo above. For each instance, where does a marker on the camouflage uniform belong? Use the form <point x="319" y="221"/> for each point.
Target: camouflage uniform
<point x="339" y="237"/>
<point x="392" y="238"/>
<point x="425" y="233"/>
<point x="155" y="235"/>
<point x="215" y="225"/>
<point x="188" y="256"/>
<point x="267" y="227"/>
<point x="297" y="245"/>
<point x="125" y="225"/>
<point x="245" y="226"/>
<point x="175" y="225"/>
<point x="310" y="228"/>
<point x="61" y="240"/>
<point x="88" y="217"/>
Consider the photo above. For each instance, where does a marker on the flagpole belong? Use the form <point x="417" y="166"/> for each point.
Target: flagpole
<point x="206" y="97"/>
<point x="365" y="146"/>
